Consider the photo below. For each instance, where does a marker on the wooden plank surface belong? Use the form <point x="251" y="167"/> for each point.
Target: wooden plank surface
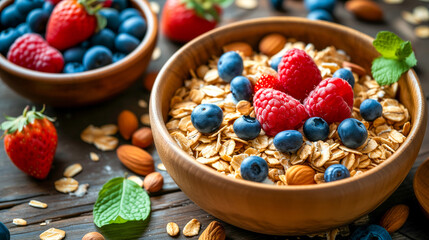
<point x="74" y="215"/>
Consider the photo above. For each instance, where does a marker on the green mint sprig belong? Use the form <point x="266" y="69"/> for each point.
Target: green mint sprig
<point x="397" y="57"/>
<point x="121" y="200"/>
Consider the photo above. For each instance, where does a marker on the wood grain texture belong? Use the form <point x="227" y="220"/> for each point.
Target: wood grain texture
<point x="421" y="186"/>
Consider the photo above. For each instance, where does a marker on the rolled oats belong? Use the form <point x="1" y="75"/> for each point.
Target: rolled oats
<point x="53" y="234"/>
<point x="66" y="185"/>
<point x="37" y="204"/>
<point x="192" y="228"/>
<point x="72" y="170"/>
<point x="19" y="222"/>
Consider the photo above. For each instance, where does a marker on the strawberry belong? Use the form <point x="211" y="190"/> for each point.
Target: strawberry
<point x="183" y="20"/>
<point x="30" y="142"/>
<point x="72" y="22"/>
<point x="54" y="2"/>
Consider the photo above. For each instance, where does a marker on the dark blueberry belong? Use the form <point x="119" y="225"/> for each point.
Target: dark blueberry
<point x="254" y="169"/>
<point x="320" y="14"/>
<point x="4" y="232"/>
<point x="37" y="20"/>
<point x="117" y="56"/>
<point x="327" y="5"/>
<point x="207" y="118"/>
<point x="345" y="74"/>
<point x="23" y="29"/>
<point x="25" y="6"/>
<point x="288" y="141"/>
<point x="112" y="17"/>
<point x="48" y="7"/>
<point x="85" y="44"/>
<point x="105" y="37"/>
<point x="241" y="88"/>
<point x="135" y="26"/>
<point x="11" y="17"/>
<point x="371" y="232"/>
<point x="74" y="54"/>
<point x="73" y="67"/>
<point x="336" y="172"/>
<point x="126" y="43"/>
<point x="96" y="57"/>
<point x="247" y="128"/>
<point x="277" y="4"/>
<point x="370" y="110"/>
<point x="352" y="133"/>
<point x="119" y="4"/>
<point x="128" y="13"/>
<point x="7" y="37"/>
<point x="275" y="63"/>
<point x="230" y="65"/>
<point x="316" y="129"/>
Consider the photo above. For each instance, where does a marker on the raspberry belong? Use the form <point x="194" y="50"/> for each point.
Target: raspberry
<point x="298" y="74"/>
<point x="277" y="111"/>
<point x="332" y="100"/>
<point x="32" y="52"/>
<point x="265" y="81"/>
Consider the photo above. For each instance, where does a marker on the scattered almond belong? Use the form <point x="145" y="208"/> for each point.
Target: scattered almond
<point x="395" y="217"/>
<point x="142" y="137"/>
<point x="52" y="234"/>
<point x="272" y="44"/>
<point x="72" y="170"/>
<point x="300" y="175"/>
<point x="192" y="228"/>
<point x="145" y="119"/>
<point x="127" y="123"/>
<point x="136" y="159"/>
<point x="37" y="204"/>
<point x="19" y="222"/>
<point x="153" y="182"/>
<point x="161" y="167"/>
<point x="94" y="157"/>
<point x="242" y="47"/>
<point x="214" y="231"/>
<point x="106" y="143"/>
<point x="366" y="10"/>
<point x="355" y="68"/>
<point x="136" y="179"/>
<point x="66" y="185"/>
<point x="93" y="236"/>
<point x="172" y="229"/>
<point x="149" y="80"/>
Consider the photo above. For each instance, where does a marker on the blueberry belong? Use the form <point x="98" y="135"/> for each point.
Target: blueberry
<point x="48" y="7"/>
<point x="119" y="4"/>
<point x="112" y="17"/>
<point x="247" y="128"/>
<point x="316" y="129"/>
<point x="241" y="88"/>
<point x="117" y="56"/>
<point x="74" y="54"/>
<point x="254" y="169"/>
<point x="371" y="232"/>
<point x="96" y="57"/>
<point x="327" y="5"/>
<point x="345" y="74"/>
<point x="105" y="37"/>
<point x="4" y="232"/>
<point x="7" y="37"/>
<point x="277" y="4"/>
<point x="229" y="66"/>
<point x="370" y="110"/>
<point x="320" y="14"/>
<point x="336" y="172"/>
<point x="37" y="20"/>
<point x="23" y="29"/>
<point x="126" y="43"/>
<point x="73" y="67"/>
<point x="207" y="118"/>
<point x="135" y="26"/>
<point x="352" y="133"/>
<point x="288" y="141"/>
<point x="25" y="6"/>
<point x="11" y="17"/>
<point x="85" y="44"/>
<point x="128" y="13"/>
<point x="275" y="63"/>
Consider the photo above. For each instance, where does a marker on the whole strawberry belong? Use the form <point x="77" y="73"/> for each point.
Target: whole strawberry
<point x="277" y="111"/>
<point x="298" y="74"/>
<point x="30" y="142"/>
<point x="332" y="100"/>
<point x="32" y="52"/>
<point x="72" y="22"/>
<point x="183" y="20"/>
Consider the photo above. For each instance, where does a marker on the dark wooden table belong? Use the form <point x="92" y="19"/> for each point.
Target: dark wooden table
<point x="74" y="215"/>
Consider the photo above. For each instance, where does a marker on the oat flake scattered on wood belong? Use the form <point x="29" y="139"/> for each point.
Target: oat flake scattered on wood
<point x="94" y="157"/>
<point x="66" y="185"/>
<point x="37" y="204"/>
<point x="192" y="228"/>
<point x="52" y="234"/>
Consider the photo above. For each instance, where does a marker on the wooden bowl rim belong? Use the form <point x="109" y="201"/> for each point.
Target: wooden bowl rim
<point x="158" y="122"/>
<point x="92" y="75"/>
<point x="418" y="192"/>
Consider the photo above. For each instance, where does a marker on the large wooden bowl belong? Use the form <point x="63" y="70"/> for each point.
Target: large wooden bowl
<point x="290" y="210"/>
<point x="87" y="87"/>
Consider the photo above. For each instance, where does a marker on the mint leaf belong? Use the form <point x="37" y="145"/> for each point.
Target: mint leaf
<point x="387" y="71"/>
<point x="404" y="50"/>
<point x="386" y="43"/>
<point x="121" y="200"/>
<point x="411" y="60"/>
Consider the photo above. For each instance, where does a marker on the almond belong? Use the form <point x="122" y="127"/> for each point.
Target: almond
<point x="366" y="10"/>
<point x="242" y="47"/>
<point x="214" y="231"/>
<point x="300" y="175"/>
<point x="355" y="68"/>
<point x="136" y="159"/>
<point x="93" y="236"/>
<point x="153" y="182"/>
<point x="272" y="44"/>
<point x="142" y="137"/>
<point x="395" y="217"/>
<point x="127" y="123"/>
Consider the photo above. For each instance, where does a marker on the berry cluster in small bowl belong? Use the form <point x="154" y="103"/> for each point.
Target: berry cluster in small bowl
<point x="300" y="116"/>
<point x="69" y="36"/>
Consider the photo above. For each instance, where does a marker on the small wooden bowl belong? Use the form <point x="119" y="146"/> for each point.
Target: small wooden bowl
<point x="290" y="210"/>
<point x="421" y="186"/>
<point x="79" y="89"/>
